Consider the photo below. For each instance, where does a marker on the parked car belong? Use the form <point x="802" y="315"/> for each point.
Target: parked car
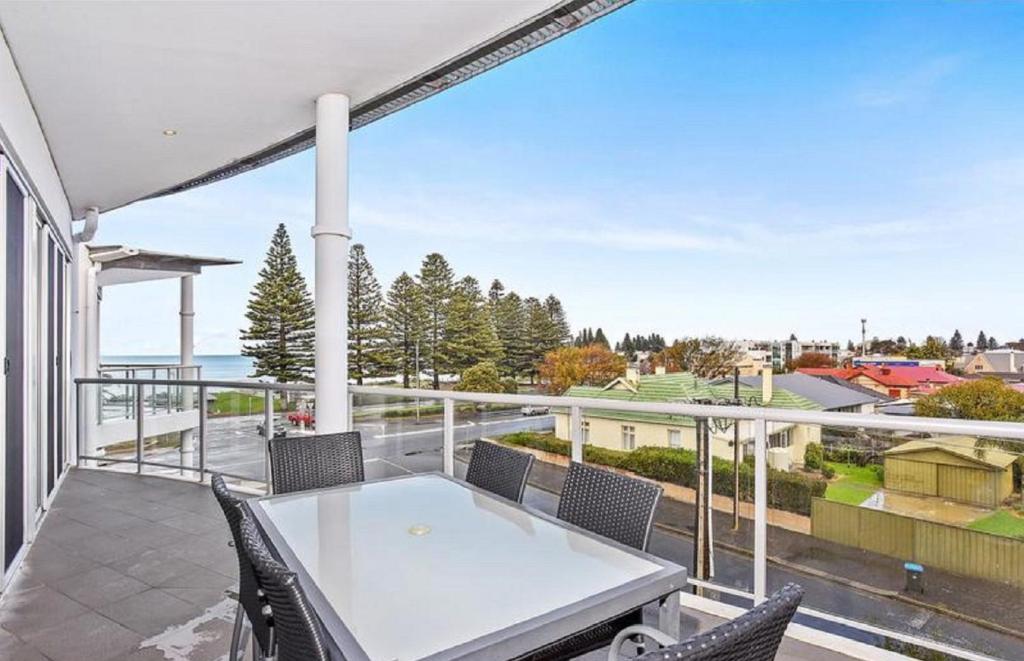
<point x="535" y="410"/>
<point x="302" y="418"/>
<point x="278" y="431"/>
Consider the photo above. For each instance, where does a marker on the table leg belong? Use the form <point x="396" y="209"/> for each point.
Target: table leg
<point x="668" y="614"/>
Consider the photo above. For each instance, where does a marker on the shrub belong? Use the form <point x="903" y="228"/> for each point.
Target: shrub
<point x="828" y="472"/>
<point x="814" y="456"/>
<point x="786" y="491"/>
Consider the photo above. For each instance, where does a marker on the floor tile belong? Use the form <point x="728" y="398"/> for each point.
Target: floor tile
<point x="88" y="636"/>
<point x="35" y="609"/>
<point x="99" y="586"/>
<point x="149" y="613"/>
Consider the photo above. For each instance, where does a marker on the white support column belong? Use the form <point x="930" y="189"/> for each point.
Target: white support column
<point x="91" y="345"/>
<point x="760" y="509"/>
<point x="187" y="313"/>
<point x="331" y="234"/>
<point x="448" y="437"/>
<point x="576" y="433"/>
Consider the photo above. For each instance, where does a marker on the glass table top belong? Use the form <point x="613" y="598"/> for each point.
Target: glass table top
<point x="418" y="565"/>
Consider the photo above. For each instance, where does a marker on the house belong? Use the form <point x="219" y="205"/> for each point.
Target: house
<point x="903" y="382"/>
<point x="997" y="361"/>
<point x="830" y="395"/>
<point x="784" y="351"/>
<point x="951" y="467"/>
<point x="620" y="430"/>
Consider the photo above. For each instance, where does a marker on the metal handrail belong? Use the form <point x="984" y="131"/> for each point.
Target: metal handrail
<point x="1010" y="430"/>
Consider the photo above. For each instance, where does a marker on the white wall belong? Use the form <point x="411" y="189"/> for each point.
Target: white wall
<point x="23" y="141"/>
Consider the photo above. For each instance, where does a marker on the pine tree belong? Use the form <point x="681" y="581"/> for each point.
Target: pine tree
<point x="993" y="343"/>
<point x="406" y="319"/>
<point x="435" y="280"/>
<point x="469" y="335"/>
<point x="542" y="333"/>
<point x="558" y="319"/>
<point x="627" y="347"/>
<point x="982" y="342"/>
<point x="956" y="343"/>
<point x="367" y="334"/>
<point x="510" y="325"/>
<point x="599" y="338"/>
<point x="281" y="317"/>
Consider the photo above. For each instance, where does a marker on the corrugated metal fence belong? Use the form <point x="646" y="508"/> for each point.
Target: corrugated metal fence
<point x="938" y="545"/>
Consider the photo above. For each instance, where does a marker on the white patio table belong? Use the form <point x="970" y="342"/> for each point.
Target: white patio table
<point x="429" y="567"/>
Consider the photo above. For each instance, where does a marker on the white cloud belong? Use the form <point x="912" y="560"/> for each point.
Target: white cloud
<point x="899" y="87"/>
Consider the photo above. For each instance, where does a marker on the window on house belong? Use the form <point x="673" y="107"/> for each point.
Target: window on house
<point x="585" y="426"/>
<point x="628" y="437"/>
<point x="675" y="438"/>
<point x="779" y="440"/>
<point x="894" y="392"/>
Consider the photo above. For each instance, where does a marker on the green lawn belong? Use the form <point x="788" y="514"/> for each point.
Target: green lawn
<point x="234" y="402"/>
<point x="1003" y="522"/>
<point x="854" y="485"/>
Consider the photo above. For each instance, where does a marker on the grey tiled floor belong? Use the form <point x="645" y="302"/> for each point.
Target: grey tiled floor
<point x="139" y="568"/>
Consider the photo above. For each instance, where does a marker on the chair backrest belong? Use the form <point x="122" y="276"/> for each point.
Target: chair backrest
<point x="298" y="634"/>
<point x="609" y="504"/>
<point x="754" y="636"/>
<point x="500" y="470"/>
<point x="234" y="512"/>
<point x="300" y="463"/>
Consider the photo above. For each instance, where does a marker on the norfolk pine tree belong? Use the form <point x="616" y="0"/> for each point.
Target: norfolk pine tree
<point x="435" y="281"/>
<point x="367" y="333"/>
<point x="280" y="314"/>
<point x="469" y="335"/>
<point x="405" y="322"/>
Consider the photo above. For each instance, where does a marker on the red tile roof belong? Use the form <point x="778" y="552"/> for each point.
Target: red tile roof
<point x="923" y="378"/>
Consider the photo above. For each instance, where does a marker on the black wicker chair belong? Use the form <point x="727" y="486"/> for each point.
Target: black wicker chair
<point x="298" y="635"/>
<point x="614" y="506"/>
<point x="250" y="600"/>
<point x="301" y="463"/>
<point x="754" y="636"/>
<point x="500" y="470"/>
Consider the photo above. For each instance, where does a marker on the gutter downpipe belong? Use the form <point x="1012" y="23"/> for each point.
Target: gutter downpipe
<point x="86" y="328"/>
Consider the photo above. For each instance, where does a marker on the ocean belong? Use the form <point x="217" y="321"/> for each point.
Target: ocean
<point x="215" y="367"/>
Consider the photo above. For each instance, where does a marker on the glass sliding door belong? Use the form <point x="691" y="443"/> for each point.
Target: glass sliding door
<point x="14" y="370"/>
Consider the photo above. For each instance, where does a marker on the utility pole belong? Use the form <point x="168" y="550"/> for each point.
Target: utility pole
<point x="863" y="337"/>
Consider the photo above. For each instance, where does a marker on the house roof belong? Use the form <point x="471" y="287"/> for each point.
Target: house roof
<point x="122" y="264"/>
<point x="1000" y="360"/>
<point x="963" y="447"/>
<point x="237" y="81"/>
<point x="829" y="395"/>
<point x="879" y="397"/>
<point x="895" y="376"/>
<point x="682" y="387"/>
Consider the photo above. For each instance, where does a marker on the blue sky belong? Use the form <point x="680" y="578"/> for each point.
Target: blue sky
<point x="736" y="168"/>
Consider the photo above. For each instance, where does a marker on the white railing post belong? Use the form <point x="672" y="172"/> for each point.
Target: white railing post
<point x="448" y="444"/>
<point x="351" y="407"/>
<point x="139" y="426"/>
<point x="268" y="433"/>
<point x="576" y="433"/>
<point x="760" y="509"/>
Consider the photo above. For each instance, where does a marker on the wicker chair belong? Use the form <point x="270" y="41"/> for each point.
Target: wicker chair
<point x="298" y="635"/>
<point x="250" y="599"/>
<point x="315" y="462"/>
<point x="499" y="469"/>
<point x="754" y="636"/>
<point x="614" y="506"/>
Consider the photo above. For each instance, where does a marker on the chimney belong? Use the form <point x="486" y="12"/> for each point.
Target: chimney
<point x="632" y="375"/>
<point x="1013" y="362"/>
<point x="660" y="369"/>
<point x="766" y="385"/>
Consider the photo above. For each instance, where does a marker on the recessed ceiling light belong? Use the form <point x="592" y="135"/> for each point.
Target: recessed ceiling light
<point x="170" y="133"/>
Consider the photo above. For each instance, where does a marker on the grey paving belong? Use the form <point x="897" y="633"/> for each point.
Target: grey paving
<point x="130" y="567"/>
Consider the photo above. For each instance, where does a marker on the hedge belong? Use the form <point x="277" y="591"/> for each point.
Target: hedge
<point x="786" y="491"/>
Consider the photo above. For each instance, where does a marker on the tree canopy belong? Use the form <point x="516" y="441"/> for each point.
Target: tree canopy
<point x="709" y="357"/>
<point x="981" y="399"/>
<point x="281" y="317"/>
<point x="367" y="330"/>
<point x="593" y="365"/>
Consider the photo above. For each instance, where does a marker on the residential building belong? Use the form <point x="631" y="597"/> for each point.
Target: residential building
<point x="903" y="382"/>
<point x="619" y="430"/>
<point x="879" y="360"/>
<point x="784" y="351"/>
<point x="830" y="395"/>
<point x="996" y="361"/>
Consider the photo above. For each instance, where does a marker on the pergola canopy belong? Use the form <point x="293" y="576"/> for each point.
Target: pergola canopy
<point x="143" y="99"/>
<point x="122" y="265"/>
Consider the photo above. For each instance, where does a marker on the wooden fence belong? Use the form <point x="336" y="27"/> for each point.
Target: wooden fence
<point x="936" y="545"/>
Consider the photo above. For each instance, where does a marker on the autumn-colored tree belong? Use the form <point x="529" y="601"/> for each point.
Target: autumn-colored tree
<point x="592" y="365"/>
<point x="708" y="358"/>
<point x="810" y="359"/>
<point x="981" y="399"/>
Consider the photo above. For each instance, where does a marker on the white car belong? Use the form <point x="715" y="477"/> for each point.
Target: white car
<point x="535" y="410"/>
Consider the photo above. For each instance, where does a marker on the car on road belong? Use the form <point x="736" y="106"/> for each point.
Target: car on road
<point x="306" y="418"/>
<point x="535" y="410"/>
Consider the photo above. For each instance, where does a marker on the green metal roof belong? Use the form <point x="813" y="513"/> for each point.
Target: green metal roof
<point x="682" y="387"/>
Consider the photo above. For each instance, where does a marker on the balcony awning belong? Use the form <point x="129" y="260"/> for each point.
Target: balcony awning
<point x="143" y="99"/>
<point x="122" y="265"/>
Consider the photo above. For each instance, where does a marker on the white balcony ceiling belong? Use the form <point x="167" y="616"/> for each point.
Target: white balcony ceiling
<point x="232" y="79"/>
